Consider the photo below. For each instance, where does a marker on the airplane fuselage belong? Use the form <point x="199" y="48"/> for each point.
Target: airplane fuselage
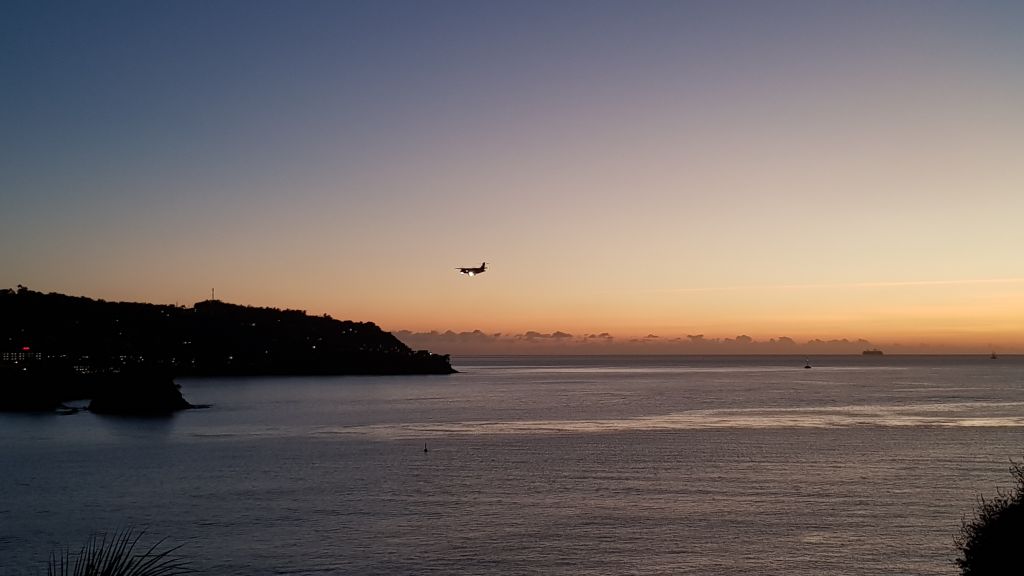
<point x="474" y="271"/>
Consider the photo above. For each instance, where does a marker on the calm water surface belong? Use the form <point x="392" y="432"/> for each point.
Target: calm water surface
<point x="568" y="465"/>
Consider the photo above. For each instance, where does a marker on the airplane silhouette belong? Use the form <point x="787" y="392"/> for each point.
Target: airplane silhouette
<point x="473" y="271"/>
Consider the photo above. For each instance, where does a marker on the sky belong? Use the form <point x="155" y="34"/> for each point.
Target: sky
<point x="639" y="175"/>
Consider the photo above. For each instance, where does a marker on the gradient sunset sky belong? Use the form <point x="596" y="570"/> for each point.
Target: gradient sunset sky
<point x="629" y="169"/>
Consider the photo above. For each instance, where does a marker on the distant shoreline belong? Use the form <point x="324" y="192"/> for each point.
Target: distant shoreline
<point x="985" y="355"/>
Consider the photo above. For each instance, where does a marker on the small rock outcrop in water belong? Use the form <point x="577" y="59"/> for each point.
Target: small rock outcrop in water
<point x="137" y="394"/>
<point x="133" y="392"/>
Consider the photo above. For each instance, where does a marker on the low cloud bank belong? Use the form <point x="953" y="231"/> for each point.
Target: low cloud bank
<point x="478" y="342"/>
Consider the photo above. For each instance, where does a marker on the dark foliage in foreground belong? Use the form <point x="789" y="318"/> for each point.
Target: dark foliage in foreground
<point x="992" y="543"/>
<point x="116" y="555"/>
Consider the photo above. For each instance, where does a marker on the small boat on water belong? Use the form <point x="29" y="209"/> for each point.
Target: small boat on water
<point x="872" y="352"/>
<point x="993" y="356"/>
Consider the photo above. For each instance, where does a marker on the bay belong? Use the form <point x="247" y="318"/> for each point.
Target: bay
<point x="537" y="465"/>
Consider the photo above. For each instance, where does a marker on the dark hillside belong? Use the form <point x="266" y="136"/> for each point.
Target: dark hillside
<point x="49" y="334"/>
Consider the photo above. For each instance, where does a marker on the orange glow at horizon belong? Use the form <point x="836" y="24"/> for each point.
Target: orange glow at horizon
<point x="969" y="314"/>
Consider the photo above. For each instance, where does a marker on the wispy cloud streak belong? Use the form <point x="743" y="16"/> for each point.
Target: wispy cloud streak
<point x="819" y="286"/>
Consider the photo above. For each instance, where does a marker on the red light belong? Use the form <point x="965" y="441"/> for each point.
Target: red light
<point x="24" y="348"/>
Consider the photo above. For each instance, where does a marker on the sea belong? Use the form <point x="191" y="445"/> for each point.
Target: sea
<point x="569" y="465"/>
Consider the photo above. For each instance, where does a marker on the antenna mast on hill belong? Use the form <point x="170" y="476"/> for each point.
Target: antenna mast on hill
<point x="213" y="294"/>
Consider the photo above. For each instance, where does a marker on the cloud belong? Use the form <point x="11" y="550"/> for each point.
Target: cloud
<point x="447" y="336"/>
<point x="478" y="342"/>
<point x="533" y="335"/>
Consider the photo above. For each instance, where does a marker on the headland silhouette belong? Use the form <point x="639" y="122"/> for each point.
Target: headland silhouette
<point x="57" y="348"/>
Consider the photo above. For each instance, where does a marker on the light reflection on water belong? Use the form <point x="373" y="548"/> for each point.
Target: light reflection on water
<point x="923" y="415"/>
